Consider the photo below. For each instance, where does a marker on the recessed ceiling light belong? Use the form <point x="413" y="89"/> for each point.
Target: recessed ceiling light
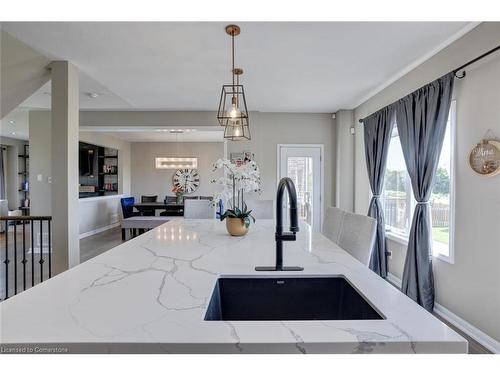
<point x="12" y="122"/>
<point x="92" y="95"/>
<point x="47" y="93"/>
<point x="13" y="133"/>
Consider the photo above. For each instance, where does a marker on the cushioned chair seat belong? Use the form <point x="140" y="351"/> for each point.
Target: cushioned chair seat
<point x="352" y="232"/>
<point x="127" y="209"/>
<point x="332" y="224"/>
<point x="198" y="209"/>
<point x="261" y="209"/>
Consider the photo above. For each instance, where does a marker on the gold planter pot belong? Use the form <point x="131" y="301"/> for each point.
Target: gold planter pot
<point x="236" y="226"/>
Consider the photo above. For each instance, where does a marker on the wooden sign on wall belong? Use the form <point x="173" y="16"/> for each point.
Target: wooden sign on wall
<point x="484" y="158"/>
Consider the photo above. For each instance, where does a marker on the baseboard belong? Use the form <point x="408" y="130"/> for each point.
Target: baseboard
<point x="488" y="342"/>
<point x="99" y="230"/>
<point x="482" y="338"/>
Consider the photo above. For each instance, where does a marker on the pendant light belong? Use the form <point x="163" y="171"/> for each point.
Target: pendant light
<point x="233" y="112"/>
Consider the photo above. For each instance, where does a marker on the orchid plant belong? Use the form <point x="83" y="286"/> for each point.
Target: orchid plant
<point x="238" y="179"/>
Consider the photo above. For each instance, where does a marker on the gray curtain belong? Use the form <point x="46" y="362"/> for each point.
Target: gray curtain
<point x="377" y="131"/>
<point x="2" y="175"/>
<point x="421" y="119"/>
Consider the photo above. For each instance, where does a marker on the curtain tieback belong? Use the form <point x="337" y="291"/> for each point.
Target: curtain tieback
<point x="376" y="196"/>
<point x="424" y="202"/>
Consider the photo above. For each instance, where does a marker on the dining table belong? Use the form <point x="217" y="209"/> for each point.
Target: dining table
<point x="171" y="209"/>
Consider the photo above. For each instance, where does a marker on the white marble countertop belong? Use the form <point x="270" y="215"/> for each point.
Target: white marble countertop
<point x="150" y="294"/>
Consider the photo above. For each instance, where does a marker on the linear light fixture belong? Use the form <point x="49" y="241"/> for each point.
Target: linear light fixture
<point x="176" y="163"/>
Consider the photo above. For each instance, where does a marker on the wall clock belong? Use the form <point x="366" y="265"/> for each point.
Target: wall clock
<point x="187" y="179"/>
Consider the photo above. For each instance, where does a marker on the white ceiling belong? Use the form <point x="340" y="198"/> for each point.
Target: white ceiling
<point x="15" y="125"/>
<point x="289" y="67"/>
<point x="142" y="134"/>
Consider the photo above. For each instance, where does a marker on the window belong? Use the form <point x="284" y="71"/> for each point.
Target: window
<point x="397" y="194"/>
<point x="398" y="200"/>
<point x="442" y="197"/>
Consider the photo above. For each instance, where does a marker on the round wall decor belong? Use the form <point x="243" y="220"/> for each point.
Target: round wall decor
<point x="484" y="158"/>
<point x="186" y="179"/>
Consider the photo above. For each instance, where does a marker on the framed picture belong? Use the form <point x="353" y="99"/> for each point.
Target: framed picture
<point x="236" y="157"/>
<point x="241" y="157"/>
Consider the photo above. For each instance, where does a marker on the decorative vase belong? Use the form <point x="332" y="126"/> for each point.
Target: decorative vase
<point x="236" y="226"/>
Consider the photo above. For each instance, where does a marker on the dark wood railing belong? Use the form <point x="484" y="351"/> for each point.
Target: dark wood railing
<point x="22" y="256"/>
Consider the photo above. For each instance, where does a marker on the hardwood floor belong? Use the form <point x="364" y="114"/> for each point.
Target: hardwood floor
<point x="99" y="243"/>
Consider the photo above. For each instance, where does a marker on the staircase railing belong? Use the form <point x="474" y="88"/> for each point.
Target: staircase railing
<point x="26" y="253"/>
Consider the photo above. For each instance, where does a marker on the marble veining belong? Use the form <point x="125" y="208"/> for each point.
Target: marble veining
<point x="150" y="295"/>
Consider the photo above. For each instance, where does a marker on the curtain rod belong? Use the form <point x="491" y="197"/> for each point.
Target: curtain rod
<point x="455" y="71"/>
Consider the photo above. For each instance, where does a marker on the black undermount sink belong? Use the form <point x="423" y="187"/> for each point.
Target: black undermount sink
<point x="288" y="298"/>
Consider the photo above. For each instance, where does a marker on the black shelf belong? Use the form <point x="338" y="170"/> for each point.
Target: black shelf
<point x="98" y="163"/>
<point x="23" y="173"/>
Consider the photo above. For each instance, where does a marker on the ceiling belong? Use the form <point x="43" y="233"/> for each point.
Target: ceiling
<point x="210" y="134"/>
<point x="289" y="67"/>
<point x="15" y="125"/>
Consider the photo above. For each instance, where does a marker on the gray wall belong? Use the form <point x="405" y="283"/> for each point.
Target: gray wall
<point x="147" y="180"/>
<point x="267" y="129"/>
<point x="13" y="165"/>
<point x="95" y="213"/>
<point x="40" y="162"/>
<point x="270" y="129"/>
<point x="470" y="287"/>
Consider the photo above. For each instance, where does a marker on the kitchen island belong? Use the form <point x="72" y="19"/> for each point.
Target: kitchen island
<point x="150" y="294"/>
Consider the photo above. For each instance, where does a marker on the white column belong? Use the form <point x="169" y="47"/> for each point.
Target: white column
<point x="65" y="217"/>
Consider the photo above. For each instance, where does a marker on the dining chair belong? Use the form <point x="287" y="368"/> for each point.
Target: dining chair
<point x="332" y="223"/>
<point x="357" y="236"/>
<point x="170" y="199"/>
<point x="261" y="208"/>
<point x="127" y="204"/>
<point x="198" y="209"/>
<point x="149" y="199"/>
<point x="205" y="197"/>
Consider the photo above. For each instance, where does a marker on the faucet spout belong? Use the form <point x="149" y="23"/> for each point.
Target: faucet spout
<point x="286" y="183"/>
<point x="280" y="236"/>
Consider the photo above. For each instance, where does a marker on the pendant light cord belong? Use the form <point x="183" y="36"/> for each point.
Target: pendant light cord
<point x="232" y="49"/>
